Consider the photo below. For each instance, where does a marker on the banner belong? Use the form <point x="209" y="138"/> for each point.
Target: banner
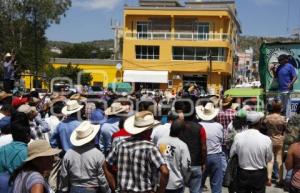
<point x="269" y="53"/>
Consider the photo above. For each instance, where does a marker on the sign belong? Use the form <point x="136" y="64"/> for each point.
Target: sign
<point x="268" y="58"/>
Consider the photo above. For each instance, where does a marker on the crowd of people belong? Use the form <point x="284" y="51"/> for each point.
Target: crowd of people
<point x="142" y="143"/>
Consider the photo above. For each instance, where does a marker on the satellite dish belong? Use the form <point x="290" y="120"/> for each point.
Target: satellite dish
<point x="119" y="66"/>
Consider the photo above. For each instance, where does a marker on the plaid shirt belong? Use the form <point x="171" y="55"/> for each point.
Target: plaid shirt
<point x="137" y="165"/>
<point x="224" y="118"/>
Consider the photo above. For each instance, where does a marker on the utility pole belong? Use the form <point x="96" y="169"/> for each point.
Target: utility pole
<point x="35" y="46"/>
<point x="116" y="27"/>
<point x="210" y="68"/>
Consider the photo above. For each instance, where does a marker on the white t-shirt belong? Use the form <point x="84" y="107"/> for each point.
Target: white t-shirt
<point x="160" y="131"/>
<point x="5" y="139"/>
<point x="177" y="156"/>
<point x="214" y="137"/>
<point x="254" y="150"/>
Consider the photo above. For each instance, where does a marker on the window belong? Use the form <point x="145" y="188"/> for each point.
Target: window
<point x="142" y="28"/>
<point x="202" y="31"/>
<point x="199" y="53"/>
<point x="147" y="52"/>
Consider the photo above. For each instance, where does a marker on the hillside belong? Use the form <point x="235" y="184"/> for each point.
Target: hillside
<point x="244" y="42"/>
<point x="105" y="44"/>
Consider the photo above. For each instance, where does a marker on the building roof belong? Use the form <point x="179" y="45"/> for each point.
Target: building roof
<point x="83" y="61"/>
<point x="193" y="5"/>
<point x="159" y="3"/>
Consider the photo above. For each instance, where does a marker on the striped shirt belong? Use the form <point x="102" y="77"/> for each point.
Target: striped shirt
<point x="138" y="163"/>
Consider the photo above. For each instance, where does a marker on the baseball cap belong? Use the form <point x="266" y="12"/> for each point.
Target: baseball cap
<point x="254" y="117"/>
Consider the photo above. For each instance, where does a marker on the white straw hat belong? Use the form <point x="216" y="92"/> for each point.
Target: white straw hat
<point x="71" y="107"/>
<point x="116" y="108"/>
<point x="7" y="55"/>
<point x="84" y="133"/>
<point x="140" y="122"/>
<point x="208" y="112"/>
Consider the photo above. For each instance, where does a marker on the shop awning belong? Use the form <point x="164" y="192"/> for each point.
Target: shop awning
<point x="145" y="76"/>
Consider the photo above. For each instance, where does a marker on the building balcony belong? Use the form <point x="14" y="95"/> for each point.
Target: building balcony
<point x="186" y="36"/>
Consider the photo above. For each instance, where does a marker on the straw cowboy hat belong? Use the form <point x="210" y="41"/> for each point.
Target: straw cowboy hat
<point x="26" y="109"/>
<point x="115" y="108"/>
<point x="78" y="97"/>
<point x="7" y="55"/>
<point x="215" y="100"/>
<point x="71" y="107"/>
<point x="40" y="148"/>
<point x="140" y="122"/>
<point x="84" y="133"/>
<point x="4" y="95"/>
<point x="227" y="101"/>
<point x="208" y="112"/>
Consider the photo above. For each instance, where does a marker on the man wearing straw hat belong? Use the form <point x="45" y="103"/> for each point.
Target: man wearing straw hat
<point x="214" y="139"/>
<point x="81" y="169"/>
<point x="62" y="134"/>
<point x="137" y="159"/>
<point x="9" y="72"/>
<point x="115" y="112"/>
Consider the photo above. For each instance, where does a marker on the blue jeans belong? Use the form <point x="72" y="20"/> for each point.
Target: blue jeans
<point x="286" y="104"/>
<point x="78" y="189"/>
<point x="195" y="180"/>
<point x="224" y="161"/>
<point x="214" y="171"/>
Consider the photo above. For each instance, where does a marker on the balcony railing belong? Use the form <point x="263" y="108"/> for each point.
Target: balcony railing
<point x="178" y="36"/>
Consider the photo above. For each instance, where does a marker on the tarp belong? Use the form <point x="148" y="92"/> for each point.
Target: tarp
<point x="269" y="53"/>
<point x="244" y="92"/>
<point x="145" y="76"/>
<point x="120" y="87"/>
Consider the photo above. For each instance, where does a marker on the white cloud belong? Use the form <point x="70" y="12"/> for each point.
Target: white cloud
<point x="96" y="4"/>
<point x="265" y="2"/>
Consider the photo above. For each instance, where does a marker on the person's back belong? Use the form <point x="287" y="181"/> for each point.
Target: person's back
<point x="84" y="173"/>
<point x="61" y="136"/>
<point x="177" y="155"/>
<point x="137" y="159"/>
<point x="13" y="154"/>
<point x="191" y="136"/>
<point x="252" y="149"/>
<point x="214" y="136"/>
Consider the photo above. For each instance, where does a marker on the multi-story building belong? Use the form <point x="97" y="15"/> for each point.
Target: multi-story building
<point x="168" y="43"/>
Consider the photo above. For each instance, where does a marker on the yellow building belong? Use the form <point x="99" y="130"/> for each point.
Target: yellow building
<point x="102" y="71"/>
<point x="167" y="44"/>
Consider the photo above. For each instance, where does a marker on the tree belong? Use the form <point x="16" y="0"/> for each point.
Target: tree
<point x="78" y="51"/>
<point x="23" y="25"/>
<point x="69" y="71"/>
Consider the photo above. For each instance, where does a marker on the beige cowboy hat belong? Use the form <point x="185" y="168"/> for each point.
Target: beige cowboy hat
<point x="140" y="122"/>
<point x="208" y="112"/>
<point x="78" y="97"/>
<point x="115" y="108"/>
<point x="27" y="109"/>
<point x="71" y="107"/>
<point x="4" y="95"/>
<point x="7" y="55"/>
<point x="40" y="148"/>
<point x="215" y="100"/>
<point x="84" y="133"/>
<point x="227" y="101"/>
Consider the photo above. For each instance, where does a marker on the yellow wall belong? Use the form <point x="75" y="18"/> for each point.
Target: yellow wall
<point x="220" y="22"/>
<point x="100" y="72"/>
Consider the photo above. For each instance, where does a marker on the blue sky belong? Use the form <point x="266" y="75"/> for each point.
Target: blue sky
<point x="90" y="20"/>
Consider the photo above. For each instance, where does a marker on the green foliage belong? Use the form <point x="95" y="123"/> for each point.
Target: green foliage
<point x="70" y="71"/>
<point x="23" y="24"/>
<point x="84" y="50"/>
